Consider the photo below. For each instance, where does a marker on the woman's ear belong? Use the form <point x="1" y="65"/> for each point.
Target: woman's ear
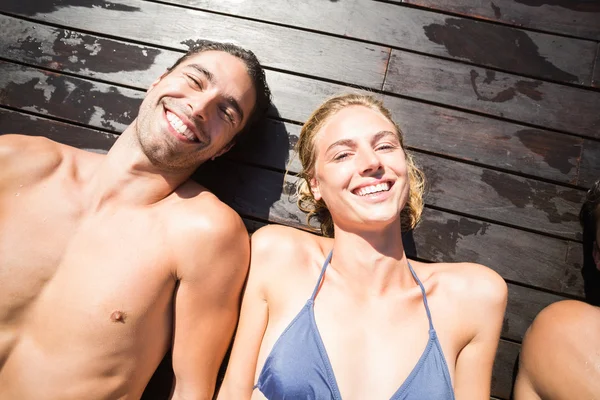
<point x="315" y="189"/>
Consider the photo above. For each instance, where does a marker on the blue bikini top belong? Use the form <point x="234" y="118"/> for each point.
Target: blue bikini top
<point x="298" y="366"/>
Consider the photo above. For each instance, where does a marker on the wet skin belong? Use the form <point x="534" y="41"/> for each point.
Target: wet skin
<point x="107" y="260"/>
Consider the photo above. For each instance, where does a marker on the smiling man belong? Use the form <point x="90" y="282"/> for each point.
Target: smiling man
<point x="108" y="260"/>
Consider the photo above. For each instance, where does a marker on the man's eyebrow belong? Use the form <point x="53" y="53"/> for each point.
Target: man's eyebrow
<point x="211" y="78"/>
<point x="207" y="74"/>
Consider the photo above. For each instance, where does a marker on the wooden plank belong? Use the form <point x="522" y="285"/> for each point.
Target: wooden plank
<point x="502" y="197"/>
<point x="568" y="17"/>
<point x="507" y="48"/>
<point x="545" y="104"/>
<point x="441" y="130"/>
<point x="504" y="364"/>
<point x="589" y="171"/>
<point x="596" y="73"/>
<point x="523" y="306"/>
<point x="95" y="104"/>
<point x="548" y="208"/>
<point x="493" y="142"/>
<point x="276" y="47"/>
<point x="76" y="136"/>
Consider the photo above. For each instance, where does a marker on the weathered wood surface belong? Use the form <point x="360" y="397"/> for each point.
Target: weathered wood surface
<point x="535" y="102"/>
<point x="507" y="48"/>
<point x="579" y="18"/>
<point x="509" y="146"/>
<point x="524" y="303"/>
<point x="464" y="188"/>
<point x="178" y="28"/>
<point x="502" y="375"/>
<point x="596" y="73"/>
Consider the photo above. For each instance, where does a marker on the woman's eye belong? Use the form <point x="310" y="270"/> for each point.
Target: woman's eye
<point x="340" y="156"/>
<point x="386" y="147"/>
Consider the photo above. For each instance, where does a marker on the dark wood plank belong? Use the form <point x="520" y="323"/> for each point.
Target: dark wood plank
<point x="596" y="73"/>
<point x="523" y="306"/>
<point x="95" y="104"/>
<point x="568" y="17"/>
<point x="441" y="130"/>
<point x="502" y="374"/>
<point x="511" y="49"/>
<point x="502" y="197"/>
<point x="541" y="103"/>
<point x="589" y="171"/>
<point x="76" y="136"/>
<point x="276" y="47"/>
<point x="493" y="142"/>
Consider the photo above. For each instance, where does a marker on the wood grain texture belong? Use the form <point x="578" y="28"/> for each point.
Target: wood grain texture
<point x="568" y="17"/>
<point x="275" y="46"/>
<point x="596" y="73"/>
<point x="532" y="101"/>
<point x="441" y="130"/>
<point x="76" y="136"/>
<point x="511" y="49"/>
<point x="590" y="164"/>
<point x="504" y="364"/>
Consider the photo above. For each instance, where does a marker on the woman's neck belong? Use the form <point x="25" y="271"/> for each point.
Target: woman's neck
<point x="373" y="261"/>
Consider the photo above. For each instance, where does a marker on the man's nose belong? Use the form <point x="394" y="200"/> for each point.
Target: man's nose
<point x="202" y="104"/>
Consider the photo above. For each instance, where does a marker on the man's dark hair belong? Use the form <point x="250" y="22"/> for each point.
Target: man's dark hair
<point x="256" y="72"/>
<point x="588" y="217"/>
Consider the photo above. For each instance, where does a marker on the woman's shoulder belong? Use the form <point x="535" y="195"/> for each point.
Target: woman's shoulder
<point x="473" y="284"/>
<point x="285" y="248"/>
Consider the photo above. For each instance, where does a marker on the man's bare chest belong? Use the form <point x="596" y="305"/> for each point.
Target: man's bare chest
<point x="92" y="261"/>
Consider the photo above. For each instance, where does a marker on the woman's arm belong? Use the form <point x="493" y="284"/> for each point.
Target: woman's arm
<point x="239" y="377"/>
<point x="483" y="306"/>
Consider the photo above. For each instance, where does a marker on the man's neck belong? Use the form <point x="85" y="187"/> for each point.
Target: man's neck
<point x="126" y="176"/>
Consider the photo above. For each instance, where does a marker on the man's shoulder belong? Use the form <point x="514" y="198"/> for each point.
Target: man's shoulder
<point x="567" y="318"/>
<point x="33" y="157"/>
<point x="203" y="212"/>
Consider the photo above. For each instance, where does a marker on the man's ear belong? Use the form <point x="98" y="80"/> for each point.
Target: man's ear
<point x="224" y="150"/>
<point x="315" y="189"/>
<point x="156" y="81"/>
<point x="596" y="255"/>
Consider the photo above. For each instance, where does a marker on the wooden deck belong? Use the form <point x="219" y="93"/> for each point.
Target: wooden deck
<point x="499" y="101"/>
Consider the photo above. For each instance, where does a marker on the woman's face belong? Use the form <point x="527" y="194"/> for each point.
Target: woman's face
<point x="360" y="169"/>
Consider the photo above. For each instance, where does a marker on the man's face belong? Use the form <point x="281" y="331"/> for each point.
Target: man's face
<point x="192" y="113"/>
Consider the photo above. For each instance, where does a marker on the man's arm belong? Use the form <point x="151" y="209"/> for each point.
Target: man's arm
<point x="211" y="274"/>
<point x="484" y="305"/>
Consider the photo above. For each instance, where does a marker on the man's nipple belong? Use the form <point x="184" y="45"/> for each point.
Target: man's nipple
<point x="118" y="316"/>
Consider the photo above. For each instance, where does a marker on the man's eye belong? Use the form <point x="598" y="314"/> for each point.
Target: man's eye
<point x="227" y="114"/>
<point x="196" y="82"/>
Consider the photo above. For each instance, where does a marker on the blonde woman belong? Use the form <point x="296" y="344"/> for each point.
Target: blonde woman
<point x="347" y="315"/>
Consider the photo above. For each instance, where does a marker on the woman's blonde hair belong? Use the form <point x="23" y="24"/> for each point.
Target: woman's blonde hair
<point x="411" y="213"/>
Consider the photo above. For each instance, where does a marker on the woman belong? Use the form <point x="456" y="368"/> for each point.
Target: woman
<point x="375" y="326"/>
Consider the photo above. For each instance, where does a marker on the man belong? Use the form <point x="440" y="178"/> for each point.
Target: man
<point x="560" y="356"/>
<point x="108" y="260"/>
